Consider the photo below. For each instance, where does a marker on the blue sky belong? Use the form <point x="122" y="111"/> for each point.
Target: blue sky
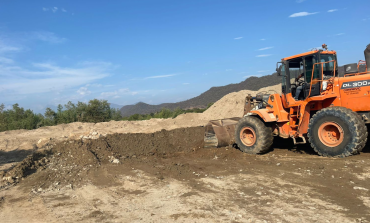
<point x="159" y="51"/>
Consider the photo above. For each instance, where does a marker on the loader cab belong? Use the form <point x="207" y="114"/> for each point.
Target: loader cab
<point x="315" y="66"/>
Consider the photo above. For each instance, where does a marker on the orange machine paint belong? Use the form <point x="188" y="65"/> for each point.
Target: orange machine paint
<point x="292" y="117"/>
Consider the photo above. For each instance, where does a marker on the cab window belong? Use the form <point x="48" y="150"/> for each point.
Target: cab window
<point x="309" y="69"/>
<point x="328" y="68"/>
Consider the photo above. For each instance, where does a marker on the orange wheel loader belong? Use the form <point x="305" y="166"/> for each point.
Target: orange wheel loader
<point x="316" y="106"/>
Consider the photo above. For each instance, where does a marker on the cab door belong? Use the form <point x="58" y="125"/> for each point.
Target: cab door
<point x="310" y="70"/>
<point x="285" y="82"/>
<point x="284" y="78"/>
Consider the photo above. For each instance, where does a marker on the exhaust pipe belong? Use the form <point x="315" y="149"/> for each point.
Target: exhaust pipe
<point x="367" y="56"/>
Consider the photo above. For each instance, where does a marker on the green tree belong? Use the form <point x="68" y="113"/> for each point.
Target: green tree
<point x="60" y="118"/>
<point x="115" y="114"/>
<point x="98" y="111"/>
<point x="70" y="113"/>
<point x="81" y="111"/>
<point x="50" y="117"/>
<point x="164" y="113"/>
<point x="3" y="123"/>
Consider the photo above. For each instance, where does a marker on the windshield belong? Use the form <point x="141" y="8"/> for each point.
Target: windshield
<point x="328" y="68"/>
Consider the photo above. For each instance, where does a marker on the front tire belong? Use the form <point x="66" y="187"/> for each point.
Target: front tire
<point x="337" y="132"/>
<point x="253" y="136"/>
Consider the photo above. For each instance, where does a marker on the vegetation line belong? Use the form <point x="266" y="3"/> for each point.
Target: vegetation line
<point x="94" y="111"/>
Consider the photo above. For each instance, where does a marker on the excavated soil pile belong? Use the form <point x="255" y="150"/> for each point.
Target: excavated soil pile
<point x="231" y="105"/>
<point x="68" y="163"/>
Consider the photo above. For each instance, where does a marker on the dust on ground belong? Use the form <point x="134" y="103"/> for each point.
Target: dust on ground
<point x="157" y="175"/>
<point x="168" y="175"/>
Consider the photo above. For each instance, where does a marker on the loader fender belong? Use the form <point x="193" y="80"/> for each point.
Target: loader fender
<point x="265" y="115"/>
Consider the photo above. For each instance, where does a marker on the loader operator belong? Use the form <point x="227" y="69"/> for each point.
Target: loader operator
<point x="299" y="88"/>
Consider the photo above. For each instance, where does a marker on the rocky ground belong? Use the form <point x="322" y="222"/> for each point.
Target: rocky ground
<point x="91" y="174"/>
<point x="169" y="176"/>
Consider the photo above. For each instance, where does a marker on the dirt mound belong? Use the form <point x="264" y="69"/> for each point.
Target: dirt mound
<point x="232" y="105"/>
<point x="68" y="163"/>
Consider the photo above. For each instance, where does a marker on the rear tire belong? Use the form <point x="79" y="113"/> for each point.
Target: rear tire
<point x="253" y="136"/>
<point x="337" y="132"/>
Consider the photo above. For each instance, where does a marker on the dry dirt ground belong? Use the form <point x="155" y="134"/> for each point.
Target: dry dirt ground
<point x="154" y="175"/>
<point x="168" y="176"/>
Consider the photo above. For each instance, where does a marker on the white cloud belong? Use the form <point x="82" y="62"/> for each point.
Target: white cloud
<point x="299" y="14"/>
<point x="266" y="48"/>
<point x="45" y="77"/>
<point x="160" y="76"/>
<point x="5" y="60"/>
<point x="95" y="85"/>
<point x="118" y="93"/>
<point x="339" y="34"/>
<point x="5" y="48"/>
<point x="300" y="1"/>
<point x="262" y="39"/>
<point x="53" y="9"/>
<point x="262" y="71"/>
<point x="332" y="10"/>
<point x="47" y="37"/>
<point x="264" y="55"/>
<point x="83" y="91"/>
<point x="237" y="38"/>
<point x="315" y="48"/>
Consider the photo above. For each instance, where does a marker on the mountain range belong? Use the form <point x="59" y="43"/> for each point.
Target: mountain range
<point x="212" y="95"/>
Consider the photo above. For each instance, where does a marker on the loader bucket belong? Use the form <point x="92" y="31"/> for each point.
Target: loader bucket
<point x="219" y="133"/>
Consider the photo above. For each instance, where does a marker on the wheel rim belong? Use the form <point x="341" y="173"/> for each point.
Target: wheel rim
<point x="248" y="136"/>
<point x="331" y="134"/>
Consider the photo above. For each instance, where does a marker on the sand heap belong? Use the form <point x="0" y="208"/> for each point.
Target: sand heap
<point x="231" y="105"/>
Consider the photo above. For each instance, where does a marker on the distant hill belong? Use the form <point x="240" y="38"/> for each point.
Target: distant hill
<point x="201" y="101"/>
<point x="115" y="106"/>
<point x="212" y="95"/>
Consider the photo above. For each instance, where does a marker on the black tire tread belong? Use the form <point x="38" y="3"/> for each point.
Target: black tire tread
<point x="360" y="136"/>
<point x="265" y="137"/>
<point x="364" y="136"/>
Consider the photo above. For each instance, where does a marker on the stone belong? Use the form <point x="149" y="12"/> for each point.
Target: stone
<point x="360" y="188"/>
<point x="115" y="161"/>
